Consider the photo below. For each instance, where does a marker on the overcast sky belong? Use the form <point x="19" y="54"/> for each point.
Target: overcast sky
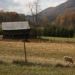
<point x="21" y="6"/>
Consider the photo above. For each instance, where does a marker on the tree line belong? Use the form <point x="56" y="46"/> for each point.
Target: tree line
<point x="62" y="26"/>
<point x="11" y="16"/>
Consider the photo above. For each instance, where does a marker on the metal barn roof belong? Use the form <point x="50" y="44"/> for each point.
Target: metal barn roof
<point x="15" y="25"/>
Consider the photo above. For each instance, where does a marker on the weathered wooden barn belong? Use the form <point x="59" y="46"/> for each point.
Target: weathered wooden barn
<point x="16" y="30"/>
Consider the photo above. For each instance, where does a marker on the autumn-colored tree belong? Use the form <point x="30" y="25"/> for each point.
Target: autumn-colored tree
<point x="66" y="20"/>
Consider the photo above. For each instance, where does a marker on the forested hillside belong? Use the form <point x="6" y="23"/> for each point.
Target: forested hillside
<point x="52" y="12"/>
<point x="11" y="16"/>
<point x="66" y="20"/>
<point x="54" y="21"/>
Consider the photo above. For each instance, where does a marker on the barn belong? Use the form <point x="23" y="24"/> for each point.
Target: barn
<point x="16" y="30"/>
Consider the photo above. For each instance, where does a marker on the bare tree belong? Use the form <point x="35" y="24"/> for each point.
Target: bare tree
<point x="34" y="9"/>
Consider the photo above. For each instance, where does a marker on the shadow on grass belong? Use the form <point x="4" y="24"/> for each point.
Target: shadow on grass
<point x="22" y="63"/>
<point x="2" y="62"/>
<point x="29" y="64"/>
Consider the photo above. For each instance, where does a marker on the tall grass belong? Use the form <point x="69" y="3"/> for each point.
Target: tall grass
<point x="41" y="58"/>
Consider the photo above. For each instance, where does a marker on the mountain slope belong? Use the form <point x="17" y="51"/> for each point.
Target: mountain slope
<point x="52" y="13"/>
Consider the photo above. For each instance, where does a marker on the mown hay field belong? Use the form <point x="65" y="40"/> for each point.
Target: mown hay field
<point x="42" y="58"/>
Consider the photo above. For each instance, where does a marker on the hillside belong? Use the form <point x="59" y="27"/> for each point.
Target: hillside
<point x="11" y="16"/>
<point x="66" y="20"/>
<point x="53" y="12"/>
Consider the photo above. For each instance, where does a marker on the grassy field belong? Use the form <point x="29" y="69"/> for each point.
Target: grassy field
<point x="59" y="39"/>
<point x="42" y="58"/>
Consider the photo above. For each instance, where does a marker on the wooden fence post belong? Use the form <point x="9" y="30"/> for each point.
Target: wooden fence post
<point x="25" y="53"/>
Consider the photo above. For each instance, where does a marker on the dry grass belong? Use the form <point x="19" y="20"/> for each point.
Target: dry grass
<point x="41" y="57"/>
<point x="36" y="51"/>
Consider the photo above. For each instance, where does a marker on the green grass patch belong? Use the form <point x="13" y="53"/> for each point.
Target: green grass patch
<point x="11" y="69"/>
<point x="59" y="39"/>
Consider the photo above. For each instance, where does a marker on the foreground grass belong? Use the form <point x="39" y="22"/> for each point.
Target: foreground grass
<point x="12" y="69"/>
<point x="42" y="58"/>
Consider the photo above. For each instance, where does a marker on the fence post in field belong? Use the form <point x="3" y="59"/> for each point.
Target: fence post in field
<point x="25" y="54"/>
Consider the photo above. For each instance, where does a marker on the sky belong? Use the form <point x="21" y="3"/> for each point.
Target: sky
<point x="22" y="6"/>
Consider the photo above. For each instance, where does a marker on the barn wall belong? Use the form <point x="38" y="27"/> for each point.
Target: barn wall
<point x="16" y="34"/>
